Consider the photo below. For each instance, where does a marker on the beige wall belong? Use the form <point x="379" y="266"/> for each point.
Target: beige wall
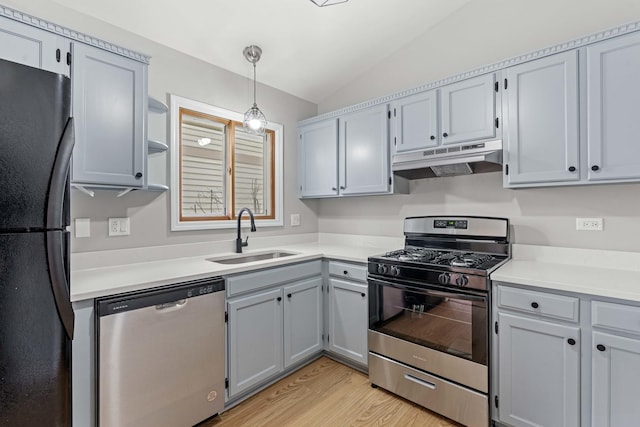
<point x="173" y="72"/>
<point x="483" y="32"/>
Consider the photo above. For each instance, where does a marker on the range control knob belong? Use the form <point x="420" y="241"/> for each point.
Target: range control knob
<point x="395" y="271"/>
<point x="462" y="280"/>
<point x="382" y="269"/>
<point x="443" y="278"/>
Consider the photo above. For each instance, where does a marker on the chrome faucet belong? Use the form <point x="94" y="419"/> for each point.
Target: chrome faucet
<point x="239" y="242"/>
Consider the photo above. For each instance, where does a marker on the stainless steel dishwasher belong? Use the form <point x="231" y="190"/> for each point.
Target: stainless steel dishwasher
<point x="161" y="358"/>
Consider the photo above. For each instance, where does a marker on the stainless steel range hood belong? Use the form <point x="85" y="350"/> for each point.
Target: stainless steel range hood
<point x="463" y="159"/>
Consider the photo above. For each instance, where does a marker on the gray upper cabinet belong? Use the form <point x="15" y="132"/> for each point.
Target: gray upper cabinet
<point x="415" y="122"/>
<point x="539" y="372"/>
<point x="255" y="339"/>
<point x="302" y="320"/>
<point x="364" y="166"/>
<point x="33" y="47"/>
<point x="540" y="106"/>
<point x="318" y="159"/>
<point x="613" y="126"/>
<point x="468" y="110"/>
<point x="110" y="109"/>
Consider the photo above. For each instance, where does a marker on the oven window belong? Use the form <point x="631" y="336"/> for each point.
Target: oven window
<point x="447" y="322"/>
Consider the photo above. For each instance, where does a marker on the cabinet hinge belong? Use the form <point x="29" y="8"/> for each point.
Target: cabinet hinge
<point x="506" y="169"/>
<point x="497" y="122"/>
<point x="496" y="86"/>
<point x="495" y="327"/>
<point x="506" y="83"/>
<point x="389" y="180"/>
<point x="327" y="337"/>
<point x="395" y="142"/>
<point x="68" y="58"/>
<point x="226" y="383"/>
<point x="58" y="55"/>
<point x="226" y="317"/>
<point x="394" y="112"/>
<point x="322" y="337"/>
<point x="495" y="400"/>
<point x="389" y="113"/>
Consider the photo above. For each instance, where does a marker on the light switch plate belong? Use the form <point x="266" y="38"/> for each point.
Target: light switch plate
<point x="295" y="220"/>
<point x="589" y="224"/>
<point x="119" y="227"/>
<point x="82" y="227"/>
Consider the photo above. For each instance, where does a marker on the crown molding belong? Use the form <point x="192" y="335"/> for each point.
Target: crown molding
<point x="497" y="66"/>
<point x="71" y="34"/>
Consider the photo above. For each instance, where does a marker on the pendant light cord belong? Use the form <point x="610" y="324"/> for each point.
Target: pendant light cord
<point x="254" y="84"/>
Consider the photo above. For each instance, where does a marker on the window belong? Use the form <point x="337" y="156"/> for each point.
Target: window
<point x="218" y="168"/>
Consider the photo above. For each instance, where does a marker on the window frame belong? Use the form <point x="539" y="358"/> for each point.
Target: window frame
<point x="180" y="223"/>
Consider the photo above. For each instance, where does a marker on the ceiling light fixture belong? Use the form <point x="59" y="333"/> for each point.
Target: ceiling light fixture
<point x="322" y="3"/>
<point x="254" y="121"/>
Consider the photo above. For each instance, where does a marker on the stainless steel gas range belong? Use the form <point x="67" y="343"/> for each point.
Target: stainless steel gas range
<point x="429" y="314"/>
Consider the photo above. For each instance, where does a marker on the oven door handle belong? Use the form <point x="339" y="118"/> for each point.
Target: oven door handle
<point x="430" y="291"/>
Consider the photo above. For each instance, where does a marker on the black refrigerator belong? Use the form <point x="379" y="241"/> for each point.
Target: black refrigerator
<point x="36" y="317"/>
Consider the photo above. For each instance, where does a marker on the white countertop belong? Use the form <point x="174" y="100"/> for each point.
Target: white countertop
<point x="100" y="281"/>
<point x="572" y="270"/>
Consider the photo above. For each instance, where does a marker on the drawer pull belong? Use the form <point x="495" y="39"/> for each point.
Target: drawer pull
<point x="279" y="299"/>
<point x="345" y="272"/>
<point x="363" y="295"/>
<point x="289" y="296"/>
<point x="571" y="341"/>
<point x="600" y="347"/>
<point x="535" y="305"/>
<point x="423" y="383"/>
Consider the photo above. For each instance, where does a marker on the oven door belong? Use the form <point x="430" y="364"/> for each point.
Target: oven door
<point x="448" y="321"/>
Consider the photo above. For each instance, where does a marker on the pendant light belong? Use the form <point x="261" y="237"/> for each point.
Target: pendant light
<point x="321" y="3"/>
<point x="254" y="120"/>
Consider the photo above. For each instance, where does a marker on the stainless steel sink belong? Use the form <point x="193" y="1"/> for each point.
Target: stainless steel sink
<point x="240" y="258"/>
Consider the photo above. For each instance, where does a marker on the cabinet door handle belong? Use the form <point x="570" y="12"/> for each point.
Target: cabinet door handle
<point x="334" y="189"/>
<point x="342" y="187"/>
<point x="345" y="272"/>
<point x="432" y="137"/>
<point x="289" y="296"/>
<point x="279" y="299"/>
<point x="138" y="175"/>
<point x="362" y="294"/>
<point x="595" y="168"/>
<point x="445" y="134"/>
<point x="535" y="305"/>
<point x="600" y="347"/>
<point x="572" y="168"/>
<point x="571" y="341"/>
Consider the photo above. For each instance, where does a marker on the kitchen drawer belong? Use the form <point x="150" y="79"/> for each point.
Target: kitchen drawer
<point x="540" y="303"/>
<point x="451" y="400"/>
<point x="348" y="270"/>
<point x="262" y="279"/>
<point x="617" y="317"/>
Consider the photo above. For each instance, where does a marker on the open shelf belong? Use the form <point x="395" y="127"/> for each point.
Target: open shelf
<point x="156" y="146"/>
<point x="157" y="106"/>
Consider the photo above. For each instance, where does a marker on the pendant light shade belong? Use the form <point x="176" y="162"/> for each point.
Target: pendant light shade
<point x="321" y="3"/>
<point x="254" y="120"/>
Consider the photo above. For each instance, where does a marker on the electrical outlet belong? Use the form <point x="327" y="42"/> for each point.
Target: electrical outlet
<point x="295" y="220"/>
<point x="119" y="227"/>
<point x="589" y="224"/>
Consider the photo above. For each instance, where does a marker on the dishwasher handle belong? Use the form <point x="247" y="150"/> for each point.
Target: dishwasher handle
<point x="173" y="296"/>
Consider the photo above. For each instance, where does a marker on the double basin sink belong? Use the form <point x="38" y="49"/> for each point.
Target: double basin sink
<point x="244" y="258"/>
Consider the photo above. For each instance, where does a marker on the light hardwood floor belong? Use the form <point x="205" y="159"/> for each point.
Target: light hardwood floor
<point x="326" y="393"/>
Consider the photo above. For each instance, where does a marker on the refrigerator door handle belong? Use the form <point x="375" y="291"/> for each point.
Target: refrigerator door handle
<point x="59" y="177"/>
<point x="58" y="278"/>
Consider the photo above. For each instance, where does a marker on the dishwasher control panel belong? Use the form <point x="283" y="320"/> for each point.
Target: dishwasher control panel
<point x="160" y="298"/>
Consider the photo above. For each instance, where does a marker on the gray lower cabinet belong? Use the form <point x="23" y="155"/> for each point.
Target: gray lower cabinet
<point x="31" y="46"/>
<point x="302" y="320"/>
<point x="110" y="109"/>
<point x="348" y="308"/>
<point x="274" y="321"/>
<point x="255" y="339"/>
<point x="539" y="372"/>
<point x="615" y="369"/>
